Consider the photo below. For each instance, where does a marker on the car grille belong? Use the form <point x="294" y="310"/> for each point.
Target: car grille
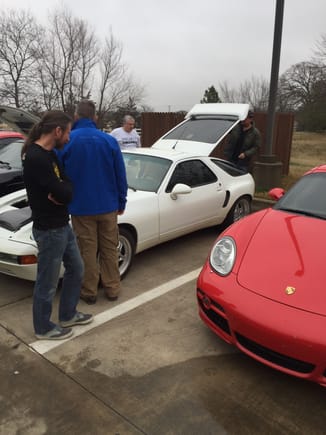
<point x="215" y="317"/>
<point x="275" y="357"/>
<point x="217" y="305"/>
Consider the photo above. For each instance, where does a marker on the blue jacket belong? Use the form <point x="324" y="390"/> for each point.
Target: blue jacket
<point x="93" y="162"/>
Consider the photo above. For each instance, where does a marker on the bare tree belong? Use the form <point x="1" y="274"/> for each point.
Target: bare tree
<point x="87" y="61"/>
<point x="116" y="87"/>
<point x="320" y="50"/>
<point x="56" y="66"/>
<point x="112" y="72"/>
<point x="67" y="55"/>
<point x="228" y="94"/>
<point x="298" y="84"/>
<point x="256" y="92"/>
<point x="18" y="30"/>
<point x="253" y="91"/>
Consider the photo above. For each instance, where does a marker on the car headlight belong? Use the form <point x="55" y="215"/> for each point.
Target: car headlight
<point x="223" y="255"/>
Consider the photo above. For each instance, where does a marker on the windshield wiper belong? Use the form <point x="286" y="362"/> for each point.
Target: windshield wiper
<point x="5" y="163"/>
<point x="132" y="188"/>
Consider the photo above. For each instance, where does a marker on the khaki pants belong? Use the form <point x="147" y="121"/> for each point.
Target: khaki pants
<point x="98" y="237"/>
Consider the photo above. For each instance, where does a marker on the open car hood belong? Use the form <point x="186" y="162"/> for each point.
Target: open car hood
<point x="205" y="126"/>
<point x="239" y="111"/>
<point x="285" y="261"/>
<point x="15" y="119"/>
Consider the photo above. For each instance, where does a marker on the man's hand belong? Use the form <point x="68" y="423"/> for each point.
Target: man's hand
<point x="241" y="156"/>
<point x="51" y="198"/>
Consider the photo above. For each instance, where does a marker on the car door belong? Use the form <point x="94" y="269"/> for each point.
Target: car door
<point x="197" y="209"/>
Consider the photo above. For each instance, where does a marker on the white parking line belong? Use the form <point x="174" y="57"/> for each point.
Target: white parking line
<point x="44" y="346"/>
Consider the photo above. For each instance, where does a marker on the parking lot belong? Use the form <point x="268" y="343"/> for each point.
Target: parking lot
<point x="147" y="364"/>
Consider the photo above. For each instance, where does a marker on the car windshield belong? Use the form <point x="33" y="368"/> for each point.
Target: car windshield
<point x="145" y="172"/>
<point x="208" y="130"/>
<point x="11" y="154"/>
<point x="306" y="197"/>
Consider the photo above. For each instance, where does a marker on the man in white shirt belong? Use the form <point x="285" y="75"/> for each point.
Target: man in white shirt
<point x="126" y="135"/>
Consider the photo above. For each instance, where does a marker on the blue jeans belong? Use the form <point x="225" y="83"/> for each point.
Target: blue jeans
<point x="54" y="247"/>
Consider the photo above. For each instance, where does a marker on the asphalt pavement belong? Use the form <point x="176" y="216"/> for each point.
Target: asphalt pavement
<point x="146" y="365"/>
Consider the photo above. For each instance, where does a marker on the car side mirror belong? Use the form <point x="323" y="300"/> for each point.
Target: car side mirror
<point x="180" y="189"/>
<point x="276" y="193"/>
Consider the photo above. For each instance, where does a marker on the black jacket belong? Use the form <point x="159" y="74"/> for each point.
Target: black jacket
<point x="43" y="175"/>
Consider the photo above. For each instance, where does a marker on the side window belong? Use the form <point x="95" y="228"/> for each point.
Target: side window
<point x="194" y="173"/>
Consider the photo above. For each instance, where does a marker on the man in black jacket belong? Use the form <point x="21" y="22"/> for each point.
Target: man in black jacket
<point x="244" y="142"/>
<point x="49" y="192"/>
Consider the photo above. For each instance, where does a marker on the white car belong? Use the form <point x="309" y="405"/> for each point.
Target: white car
<point x="174" y="188"/>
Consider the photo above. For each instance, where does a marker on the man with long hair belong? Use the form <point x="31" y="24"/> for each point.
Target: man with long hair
<point x="49" y="192"/>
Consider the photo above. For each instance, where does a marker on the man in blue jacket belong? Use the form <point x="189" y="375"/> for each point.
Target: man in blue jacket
<point x="93" y="161"/>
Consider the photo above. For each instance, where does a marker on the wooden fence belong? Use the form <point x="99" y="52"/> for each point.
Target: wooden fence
<point x="156" y="124"/>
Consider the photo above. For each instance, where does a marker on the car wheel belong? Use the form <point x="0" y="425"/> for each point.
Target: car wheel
<point x="240" y="209"/>
<point x="126" y="249"/>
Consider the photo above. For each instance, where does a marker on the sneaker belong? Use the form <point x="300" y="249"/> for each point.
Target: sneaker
<point x="78" y="319"/>
<point x="57" y="333"/>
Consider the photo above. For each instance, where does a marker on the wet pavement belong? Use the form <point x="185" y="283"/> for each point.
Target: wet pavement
<point x="151" y="368"/>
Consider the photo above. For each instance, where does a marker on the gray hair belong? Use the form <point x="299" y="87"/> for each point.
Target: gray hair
<point x="127" y="118"/>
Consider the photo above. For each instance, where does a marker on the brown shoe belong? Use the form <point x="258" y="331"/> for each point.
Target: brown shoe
<point x="112" y="298"/>
<point x="90" y="300"/>
<point x="111" y="294"/>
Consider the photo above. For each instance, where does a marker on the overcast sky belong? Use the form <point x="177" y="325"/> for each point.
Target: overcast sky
<point x="178" y="48"/>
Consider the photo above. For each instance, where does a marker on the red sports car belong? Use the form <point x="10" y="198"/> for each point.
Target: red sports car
<point x="263" y="287"/>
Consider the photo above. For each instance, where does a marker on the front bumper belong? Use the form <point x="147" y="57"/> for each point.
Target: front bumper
<point x="282" y="337"/>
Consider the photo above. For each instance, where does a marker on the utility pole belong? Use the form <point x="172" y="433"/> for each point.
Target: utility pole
<point x="267" y="172"/>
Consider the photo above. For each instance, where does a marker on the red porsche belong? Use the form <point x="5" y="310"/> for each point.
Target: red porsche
<point x="263" y="286"/>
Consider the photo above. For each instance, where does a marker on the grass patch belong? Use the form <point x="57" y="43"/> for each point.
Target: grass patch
<point x="308" y="150"/>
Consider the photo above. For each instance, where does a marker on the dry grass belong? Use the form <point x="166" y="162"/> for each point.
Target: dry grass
<point x="308" y="150"/>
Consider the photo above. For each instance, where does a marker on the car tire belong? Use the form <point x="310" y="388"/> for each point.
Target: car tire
<point x="126" y="247"/>
<point x="240" y="209"/>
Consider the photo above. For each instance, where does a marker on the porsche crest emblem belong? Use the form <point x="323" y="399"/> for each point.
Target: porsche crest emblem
<point x="290" y="290"/>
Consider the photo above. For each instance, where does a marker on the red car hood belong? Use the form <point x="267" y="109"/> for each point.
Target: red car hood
<point x="285" y="261"/>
